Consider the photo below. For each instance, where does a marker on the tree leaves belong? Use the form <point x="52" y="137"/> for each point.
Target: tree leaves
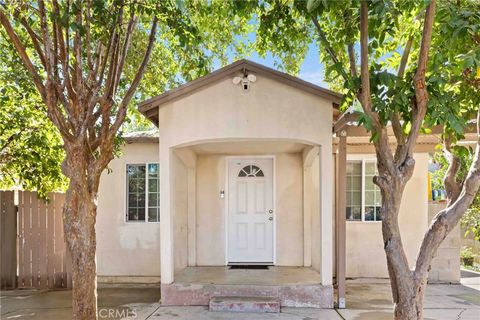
<point x="31" y="148"/>
<point x="454" y="88"/>
<point x="194" y="36"/>
<point x="313" y="4"/>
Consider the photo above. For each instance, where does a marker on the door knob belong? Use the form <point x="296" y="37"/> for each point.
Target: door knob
<point x="271" y="218"/>
<point x="270" y="211"/>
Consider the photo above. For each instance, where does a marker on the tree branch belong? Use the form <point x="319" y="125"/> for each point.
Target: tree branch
<point x="63" y="54"/>
<point x="403" y="62"/>
<point x="87" y="35"/>
<point x="382" y="145"/>
<point x="122" y="109"/>
<point x="34" y="37"/>
<point x="446" y="219"/>
<point x="395" y="119"/>
<point x="327" y="45"/>
<point x="125" y="47"/>
<point x="114" y="56"/>
<point x="364" y="94"/>
<point x="19" y="46"/>
<point x="351" y="58"/>
<point x="452" y="186"/>
<point x="78" y="61"/>
<point x="421" y="94"/>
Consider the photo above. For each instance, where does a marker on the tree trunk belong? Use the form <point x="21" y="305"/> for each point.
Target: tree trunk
<point x="79" y="216"/>
<point x="407" y="293"/>
<point x="410" y="307"/>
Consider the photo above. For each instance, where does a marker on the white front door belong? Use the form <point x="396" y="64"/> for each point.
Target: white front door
<point x="250" y="210"/>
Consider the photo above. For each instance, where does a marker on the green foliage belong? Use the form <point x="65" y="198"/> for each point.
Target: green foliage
<point x="193" y="36"/>
<point x="465" y="156"/>
<point x="466" y="253"/>
<point x="281" y="32"/>
<point x="471" y="219"/>
<point x="453" y="86"/>
<point x="454" y="56"/>
<point x="31" y="148"/>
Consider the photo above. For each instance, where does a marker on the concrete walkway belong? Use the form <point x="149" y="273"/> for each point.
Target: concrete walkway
<point x="366" y="300"/>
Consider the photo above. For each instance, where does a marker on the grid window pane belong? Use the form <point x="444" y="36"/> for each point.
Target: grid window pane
<point x="153" y="215"/>
<point x="354" y="168"/>
<point x="369" y="185"/>
<point x="369" y="197"/>
<point x="141" y="214"/>
<point x="153" y="185"/>
<point x="354" y="190"/>
<point x="363" y="196"/>
<point x="153" y="169"/>
<point x="354" y="213"/>
<point x="136" y="192"/>
<point x="153" y="192"/>
<point x="152" y="200"/>
<point x="143" y="187"/>
<point x="370" y="168"/>
<point x="372" y="192"/>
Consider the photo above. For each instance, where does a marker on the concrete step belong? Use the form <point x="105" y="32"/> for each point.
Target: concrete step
<point x="245" y="304"/>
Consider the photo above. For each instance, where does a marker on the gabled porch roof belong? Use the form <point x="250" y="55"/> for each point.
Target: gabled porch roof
<point x="149" y="108"/>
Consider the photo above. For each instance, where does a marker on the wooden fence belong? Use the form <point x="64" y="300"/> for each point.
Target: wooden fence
<point x="42" y="256"/>
<point x="8" y="232"/>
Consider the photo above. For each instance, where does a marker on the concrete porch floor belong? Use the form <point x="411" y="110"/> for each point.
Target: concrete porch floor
<point x="367" y="299"/>
<point x="225" y="276"/>
<point x="293" y="286"/>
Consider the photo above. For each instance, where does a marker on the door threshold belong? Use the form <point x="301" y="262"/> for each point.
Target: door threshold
<point x="249" y="267"/>
<point x="250" y="264"/>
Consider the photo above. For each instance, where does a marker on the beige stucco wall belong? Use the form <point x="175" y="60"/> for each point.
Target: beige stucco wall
<point x="180" y="214"/>
<point x="289" y="209"/>
<point x="125" y="249"/>
<point x="210" y="232"/>
<point x="210" y="240"/>
<point x="222" y="111"/>
<point x="365" y="256"/>
<point x="315" y="219"/>
<point x="270" y="109"/>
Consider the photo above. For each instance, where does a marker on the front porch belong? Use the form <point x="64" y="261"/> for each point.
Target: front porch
<point x="246" y="202"/>
<point x="293" y="286"/>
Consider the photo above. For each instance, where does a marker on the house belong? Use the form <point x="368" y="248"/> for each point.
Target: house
<point x="246" y="172"/>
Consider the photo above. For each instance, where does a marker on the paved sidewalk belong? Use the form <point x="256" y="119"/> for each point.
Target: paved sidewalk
<point x="366" y="300"/>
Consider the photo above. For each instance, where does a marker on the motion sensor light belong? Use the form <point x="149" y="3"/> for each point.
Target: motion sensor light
<point x="236" y="80"/>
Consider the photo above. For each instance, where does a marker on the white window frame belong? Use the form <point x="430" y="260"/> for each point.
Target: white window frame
<point x="146" y="164"/>
<point x="362" y="209"/>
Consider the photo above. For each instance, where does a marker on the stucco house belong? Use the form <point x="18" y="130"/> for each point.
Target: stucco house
<point x="256" y="185"/>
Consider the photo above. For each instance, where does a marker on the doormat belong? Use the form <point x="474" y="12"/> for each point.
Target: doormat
<point x="249" y="266"/>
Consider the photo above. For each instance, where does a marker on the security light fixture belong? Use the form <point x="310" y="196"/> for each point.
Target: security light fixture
<point x="245" y="81"/>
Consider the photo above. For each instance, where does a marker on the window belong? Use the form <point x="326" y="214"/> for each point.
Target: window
<point x="143" y="198"/>
<point x="251" y="171"/>
<point x="363" y="196"/>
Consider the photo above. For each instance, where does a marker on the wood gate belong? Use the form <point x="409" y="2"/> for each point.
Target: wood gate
<point x="42" y="259"/>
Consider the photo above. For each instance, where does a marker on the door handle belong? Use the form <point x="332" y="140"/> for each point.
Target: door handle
<point x="270" y="211"/>
<point x="271" y="218"/>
